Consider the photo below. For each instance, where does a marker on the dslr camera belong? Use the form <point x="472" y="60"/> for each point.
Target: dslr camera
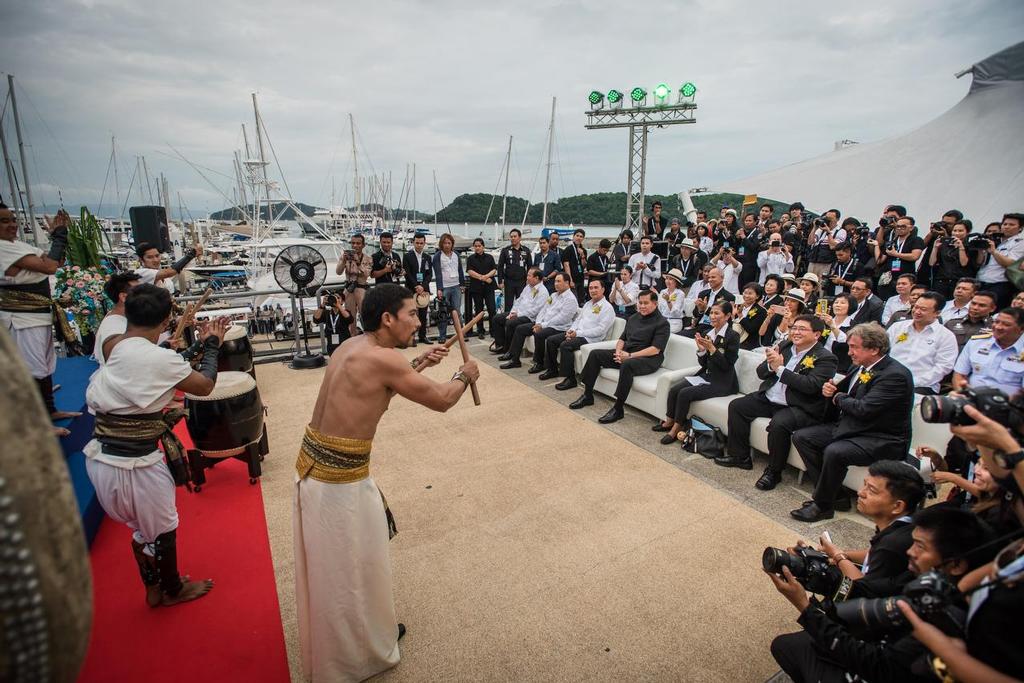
<point x="950" y="409"/>
<point x="809" y="566"/>
<point x="982" y="241"/>
<point x="886" y="221"/>
<point x="931" y="595"/>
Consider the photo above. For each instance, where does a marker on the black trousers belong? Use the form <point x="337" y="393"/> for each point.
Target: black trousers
<point x="478" y="300"/>
<point x="829" y="459"/>
<point x="799" y="657"/>
<point x="502" y="328"/>
<point x="633" y="367"/>
<point x="512" y="290"/>
<point x="785" y="421"/>
<point x="540" y="340"/>
<point x="558" y="353"/>
<point x="681" y="396"/>
<point x="517" y="337"/>
<point x="579" y="287"/>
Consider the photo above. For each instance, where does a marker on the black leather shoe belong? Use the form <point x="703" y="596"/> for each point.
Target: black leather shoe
<point x="534" y="369"/>
<point x="768" y="480"/>
<point x="667" y="439"/>
<point x="505" y="356"/>
<point x="401" y="630"/>
<point x="613" y="415"/>
<point x="729" y="461"/>
<point x="511" y="364"/>
<point x="582" y="402"/>
<point x="494" y="348"/>
<point x="812" y="513"/>
<point x="548" y="374"/>
<point x="842" y="503"/>
<point x="658" y="427"/>
<point x="566" y="384"/>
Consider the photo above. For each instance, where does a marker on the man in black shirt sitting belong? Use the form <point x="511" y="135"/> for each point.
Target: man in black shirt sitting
<point x="639" y="351"/>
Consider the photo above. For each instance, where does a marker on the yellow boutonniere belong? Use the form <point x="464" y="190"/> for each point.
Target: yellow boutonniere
<point x="672" y="298"/>
<point x="825" y="332"/>
<point x="596" y="310"/>
<point x="902" y="338"/>
<point x="549" y="299"/>
<point x="807" y="362"/>
<point x="1020" y="358"/>
<point x="534" y="293"/>
<point x="753" y="312"/>
<point x="865" y="377"/>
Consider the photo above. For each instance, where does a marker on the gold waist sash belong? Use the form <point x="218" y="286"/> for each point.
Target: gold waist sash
<point x="338" y="460"/>
<point x="18" y="301"/>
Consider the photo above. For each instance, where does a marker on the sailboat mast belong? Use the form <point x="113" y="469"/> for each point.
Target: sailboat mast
<point x="355" y="162"/>
<point x="263" y="158"/>
<point x="113" y="162"/>
<point x="547" y="175"/>
<point x="9" y="169"/>
<point x="24" y="162"/>
<point x="504" y="197"/>
<point x="435" y="201"/>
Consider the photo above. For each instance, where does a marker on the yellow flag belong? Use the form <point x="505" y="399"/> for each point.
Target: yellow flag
<point x="749" y="199"/>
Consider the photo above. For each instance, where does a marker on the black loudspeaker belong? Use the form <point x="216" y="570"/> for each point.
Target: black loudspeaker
<point x="149" y="224"/>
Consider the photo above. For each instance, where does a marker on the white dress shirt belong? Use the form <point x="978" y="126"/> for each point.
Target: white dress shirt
<point x="449" y="270"/>
<point x="893" y="305"/>
<point x="777" y="392"/>
<point x="929" y="354"/>
<point x="648" y="276"/>
<point x="1012" y="247"/>
<point x="593" y="320"/>
<point x="630" y="289"/>
<point x="558" y="311"/>
<point x="774" y="264"/>
<point x="953" y="312"/>
<point x="530" y="301"/>
<point x="731" y="276"/>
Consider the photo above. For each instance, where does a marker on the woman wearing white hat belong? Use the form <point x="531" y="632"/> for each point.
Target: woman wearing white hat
<point x="670" y="300"/>
<point x="809" y="284"/>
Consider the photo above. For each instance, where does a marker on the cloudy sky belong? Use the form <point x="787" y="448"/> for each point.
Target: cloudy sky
<point x="444" y="83"/>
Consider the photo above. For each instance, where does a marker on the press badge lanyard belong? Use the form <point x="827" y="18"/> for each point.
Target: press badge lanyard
<point x="898" y="246"/>
<point x="334" y="317"/>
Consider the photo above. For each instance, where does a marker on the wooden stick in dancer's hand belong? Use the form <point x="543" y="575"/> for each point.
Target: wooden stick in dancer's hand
<point x="450" y="342"/>
<point x="457" y="324"/>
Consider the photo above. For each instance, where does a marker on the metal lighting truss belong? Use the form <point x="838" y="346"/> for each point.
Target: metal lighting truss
<point x="638" y="120"/>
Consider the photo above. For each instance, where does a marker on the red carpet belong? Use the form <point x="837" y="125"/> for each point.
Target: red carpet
<point x="232" y="634"/>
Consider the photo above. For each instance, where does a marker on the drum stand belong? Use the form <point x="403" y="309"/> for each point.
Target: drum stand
<point x="253" y="455"/>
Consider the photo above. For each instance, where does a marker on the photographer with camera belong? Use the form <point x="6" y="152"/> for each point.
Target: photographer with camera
<point x="1001" y="254"/>
<point x="898" y="256"/>
<point x="386" y="265"/>
<point x="775" y="260"/>
<point x="933" y="239"/>
<point x="356" y="267"/>
<point x="942" y="550"/>
<point x="725" y="260"/>
<point x="822" y="239"/>
<point x="951" y="258"/>
<point x="842" y="272"/>
<point x="334" y="318"/>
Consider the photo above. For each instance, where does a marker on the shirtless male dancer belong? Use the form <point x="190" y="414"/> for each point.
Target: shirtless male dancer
<point x="347" y="625"/>
<point x="128" y="394"/>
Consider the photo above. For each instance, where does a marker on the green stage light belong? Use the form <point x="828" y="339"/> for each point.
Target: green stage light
<point x="595" y="97"/>
<point x="688" y="89"/>
<point x="614" y="96"/>
<point x="661" y="92"/>
<point x="638" y="94"/>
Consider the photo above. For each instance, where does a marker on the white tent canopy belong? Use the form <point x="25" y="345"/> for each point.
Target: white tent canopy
<point x="970" y="158"/>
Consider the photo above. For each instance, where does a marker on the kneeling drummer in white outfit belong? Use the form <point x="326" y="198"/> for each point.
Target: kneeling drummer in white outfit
<point x="128" y="394"/>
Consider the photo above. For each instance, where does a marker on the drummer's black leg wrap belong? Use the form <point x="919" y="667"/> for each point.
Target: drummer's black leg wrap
<point x="211" y="352"/>
<point x="167" y="563"/>
<point x="46" y="390"/>
<point x="180" y="264"/>
<point x="147" y="564"/>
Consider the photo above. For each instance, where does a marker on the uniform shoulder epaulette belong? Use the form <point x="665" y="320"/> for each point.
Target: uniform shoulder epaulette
<point x="984" y="335"/>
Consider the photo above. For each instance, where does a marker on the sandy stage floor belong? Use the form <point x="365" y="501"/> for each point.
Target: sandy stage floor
<point x="536" y="545"/>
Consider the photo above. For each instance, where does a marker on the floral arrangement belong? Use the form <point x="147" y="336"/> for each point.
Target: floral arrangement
<point x="80" y="291"/>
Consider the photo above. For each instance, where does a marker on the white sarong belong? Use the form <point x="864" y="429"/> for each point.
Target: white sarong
<point x="346" y="611"/>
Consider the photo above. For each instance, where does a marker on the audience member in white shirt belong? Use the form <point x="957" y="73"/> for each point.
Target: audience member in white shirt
<point x="963" y="292"/>
<point x="900" y="301"/>
<point x="923" y="345"/>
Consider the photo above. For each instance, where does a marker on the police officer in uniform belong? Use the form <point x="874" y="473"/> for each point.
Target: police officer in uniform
<point x="977" y="321"/>
<point x="513" y="262"/>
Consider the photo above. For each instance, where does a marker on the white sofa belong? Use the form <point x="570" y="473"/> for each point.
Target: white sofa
<point x="650" y="392"/>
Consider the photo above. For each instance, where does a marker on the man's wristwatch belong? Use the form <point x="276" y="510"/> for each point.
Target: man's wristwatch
<point x="1008" y="460"/>
<point x="460" y="376"/>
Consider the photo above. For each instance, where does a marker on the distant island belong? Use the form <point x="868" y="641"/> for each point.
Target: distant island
<point x="601" y="208"/>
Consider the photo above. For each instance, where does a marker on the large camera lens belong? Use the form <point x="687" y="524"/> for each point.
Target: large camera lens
<point x="942" y="409"/>
<point x="872" y="614"/>
<point x="774" y="559"/>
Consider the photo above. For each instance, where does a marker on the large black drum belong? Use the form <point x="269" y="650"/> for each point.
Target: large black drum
<point x="235" y="351"/>
<point x="229" y="419"/>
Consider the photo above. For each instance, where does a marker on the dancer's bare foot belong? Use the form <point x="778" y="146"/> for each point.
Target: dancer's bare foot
<point x="61" y="431"/>
<point x="190" y="590"/>
<point x="155" y="597"/>
<point x="63" y="415"/>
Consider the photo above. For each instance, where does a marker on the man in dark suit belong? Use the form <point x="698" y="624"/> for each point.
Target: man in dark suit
<point x="713" y="294"/>
<point x="513" y="262"/>
<point x="870" y="421"/>
<point x="790" y="395"/>
<point x="869" y="306"/>
<point x="418" y="271"/>
<point x="639" y="351"/>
